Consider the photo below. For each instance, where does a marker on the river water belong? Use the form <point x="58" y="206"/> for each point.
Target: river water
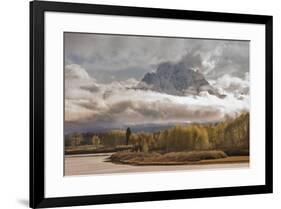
<point x="90" y="164"/>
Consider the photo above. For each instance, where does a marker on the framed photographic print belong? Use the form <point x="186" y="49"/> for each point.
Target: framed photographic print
<point x="133" y="104"/>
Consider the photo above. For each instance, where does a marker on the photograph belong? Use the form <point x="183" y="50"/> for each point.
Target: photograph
<point x="135" y="104"/>
<point x="148" y="103"/>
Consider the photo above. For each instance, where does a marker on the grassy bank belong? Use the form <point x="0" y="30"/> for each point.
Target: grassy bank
<point x="90" y="149"/>
<point x="172" y="158"/>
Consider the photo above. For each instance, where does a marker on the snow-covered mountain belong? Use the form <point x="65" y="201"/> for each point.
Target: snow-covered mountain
<point x="176" y="79"/>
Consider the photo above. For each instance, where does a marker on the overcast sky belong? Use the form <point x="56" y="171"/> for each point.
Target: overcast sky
<point x="119" y="57"/>
<point x="101" y="72"/>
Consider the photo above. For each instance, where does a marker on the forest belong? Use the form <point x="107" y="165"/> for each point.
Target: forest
<point x="230" y="136"/>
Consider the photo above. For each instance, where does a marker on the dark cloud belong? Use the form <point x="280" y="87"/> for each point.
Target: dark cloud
<point x="101" y="71"/>
<point x="118" y="57"/>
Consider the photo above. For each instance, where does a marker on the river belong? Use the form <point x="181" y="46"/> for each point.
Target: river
<point x="89" y="164"/>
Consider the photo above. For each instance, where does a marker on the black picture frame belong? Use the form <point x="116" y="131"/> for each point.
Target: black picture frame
<point x="37" y="169"/>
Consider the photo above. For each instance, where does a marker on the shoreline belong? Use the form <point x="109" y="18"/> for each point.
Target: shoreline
<point x="227" y="160"/>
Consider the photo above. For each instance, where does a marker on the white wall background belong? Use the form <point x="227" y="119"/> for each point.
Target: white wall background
<point x="14" y="105"/>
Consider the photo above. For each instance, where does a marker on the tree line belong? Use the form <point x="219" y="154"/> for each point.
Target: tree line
<point x="230" y="134"/>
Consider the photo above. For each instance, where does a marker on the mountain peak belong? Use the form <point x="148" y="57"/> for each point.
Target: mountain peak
<point x="176" y="79"/>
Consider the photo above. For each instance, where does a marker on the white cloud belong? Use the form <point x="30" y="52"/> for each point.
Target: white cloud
<point x="75" y="72"/>
<point x="117" y="102"/>
<point x="233" y="85"/>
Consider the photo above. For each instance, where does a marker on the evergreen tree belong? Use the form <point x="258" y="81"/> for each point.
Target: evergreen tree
<point x="128" y="134"/>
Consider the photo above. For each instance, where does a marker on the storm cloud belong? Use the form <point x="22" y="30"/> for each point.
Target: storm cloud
<point x="102" y="71"/>
<point x="119" y="57"/>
